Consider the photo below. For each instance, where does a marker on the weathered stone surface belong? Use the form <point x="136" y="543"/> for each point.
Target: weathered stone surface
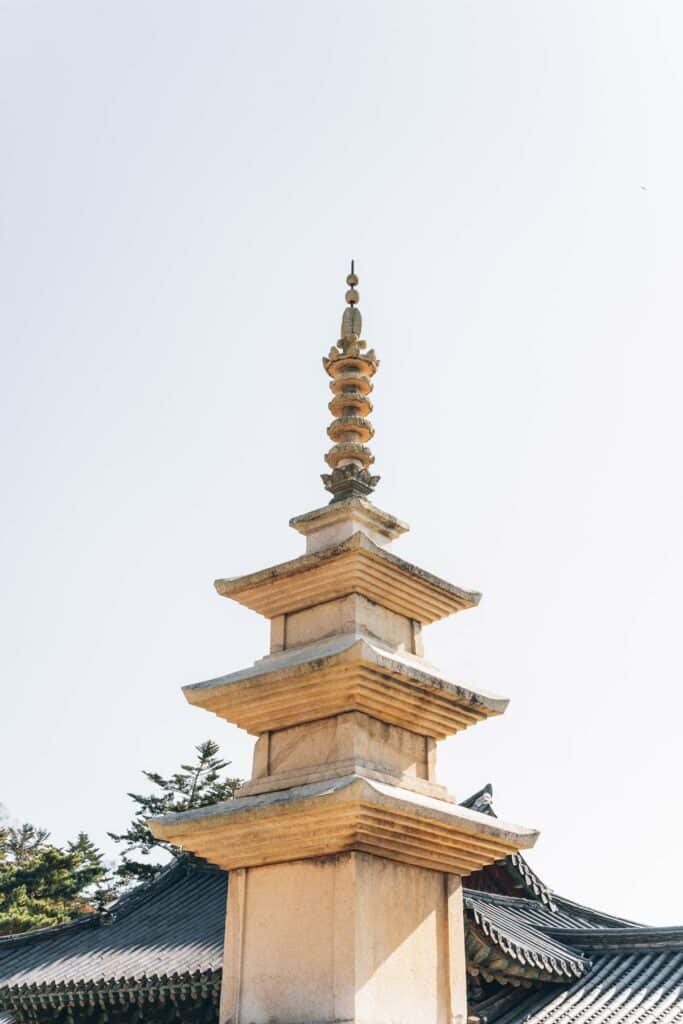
<point x="335" y="523"/>
<point x="349" y="959"/>
<point x="350" y="614"/>
<point x="356" y="566"/>
<point x="352" y="736"/>
<point x="336" y="769"/>
<point x="349" y="813"/>
<point x="340" y="674"/>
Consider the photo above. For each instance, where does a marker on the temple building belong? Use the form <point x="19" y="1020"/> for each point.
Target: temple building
<point x="344" y="884"/>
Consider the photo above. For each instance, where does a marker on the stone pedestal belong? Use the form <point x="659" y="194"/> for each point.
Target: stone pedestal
<point x="349" y="937"/>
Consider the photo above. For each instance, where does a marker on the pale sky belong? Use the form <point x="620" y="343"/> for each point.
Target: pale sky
<point x="183" y="185"/>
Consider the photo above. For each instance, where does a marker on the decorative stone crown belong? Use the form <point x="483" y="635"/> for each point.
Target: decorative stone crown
<point x="351" y="369"/>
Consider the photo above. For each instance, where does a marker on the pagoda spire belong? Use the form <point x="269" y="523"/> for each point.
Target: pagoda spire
<point x="351" y="369"/>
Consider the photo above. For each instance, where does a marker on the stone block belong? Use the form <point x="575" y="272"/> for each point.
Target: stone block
<point x="327" y="940"/>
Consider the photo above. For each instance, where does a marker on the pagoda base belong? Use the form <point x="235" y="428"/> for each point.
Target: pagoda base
<point x="345" y="938"/>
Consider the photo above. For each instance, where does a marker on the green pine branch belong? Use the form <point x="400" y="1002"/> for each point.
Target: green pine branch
<point x="193" y="785"/>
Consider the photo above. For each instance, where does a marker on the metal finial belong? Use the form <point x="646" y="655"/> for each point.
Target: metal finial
<point x="351" y="370"/>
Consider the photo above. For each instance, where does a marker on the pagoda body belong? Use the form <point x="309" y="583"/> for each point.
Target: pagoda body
<point x="345" y="854"/>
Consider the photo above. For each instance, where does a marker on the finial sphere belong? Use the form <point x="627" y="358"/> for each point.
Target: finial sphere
<point x="352" y="296"/>
<point x="352" y="279"/>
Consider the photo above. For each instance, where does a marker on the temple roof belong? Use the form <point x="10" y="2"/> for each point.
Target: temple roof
<point x="514" y="876"/>
<point x="163" y="937"/>
<point x="536" y="958"/>
<point x="637" y="978"/>
<point x="506" y="939"/>
<point x="524" y="949"/>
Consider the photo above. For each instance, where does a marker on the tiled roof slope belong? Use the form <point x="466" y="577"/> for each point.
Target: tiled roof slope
<point x="165" y="940"/>
<point x="506" y="940"/>
<point x="634" y="980"/>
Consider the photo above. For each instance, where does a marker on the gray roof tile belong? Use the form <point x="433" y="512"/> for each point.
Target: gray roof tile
<point x="624" y="987"/>
<point x="517" y="932"/>
<point x="173" y="927"/>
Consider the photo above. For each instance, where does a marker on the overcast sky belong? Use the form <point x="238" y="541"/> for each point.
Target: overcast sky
<point x="183" y="185"/>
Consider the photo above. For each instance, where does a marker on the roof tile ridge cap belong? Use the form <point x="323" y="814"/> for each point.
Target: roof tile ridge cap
<point x="485" y="790"/>
<point x="531" y="879"/>
<point x="35" y="935"/>
<point x="171" y="873"/>
<point x="494" y="897"/>
<point x="623" y="922"/>
<point x="620" y="936"/>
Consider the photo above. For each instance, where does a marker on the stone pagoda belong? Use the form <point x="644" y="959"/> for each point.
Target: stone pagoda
<point x="345" y="854"/>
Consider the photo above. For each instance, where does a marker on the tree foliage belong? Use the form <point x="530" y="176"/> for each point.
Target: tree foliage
<point x="43" y="884"/>
<point x="193" y="785"/>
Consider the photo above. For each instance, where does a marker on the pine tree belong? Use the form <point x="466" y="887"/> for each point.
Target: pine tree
<point x="42" y="884"/>
<point x="193" y="785"/>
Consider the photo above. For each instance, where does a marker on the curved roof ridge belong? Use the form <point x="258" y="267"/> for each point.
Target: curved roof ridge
<point x="518" y="868"/>
<point x="640" y="937"/>
<point x="498" y="897"/>
<point x="90" y="920"/>
<point x="596" y="915"/>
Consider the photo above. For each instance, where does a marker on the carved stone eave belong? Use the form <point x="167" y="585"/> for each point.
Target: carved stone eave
<point x="346" y="814"/>
<point x="341" y="674"/>
<point x="357" y="565"/>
